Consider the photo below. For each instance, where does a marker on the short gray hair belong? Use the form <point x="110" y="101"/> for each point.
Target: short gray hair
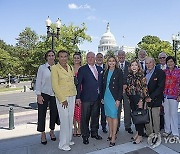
<point x="162" y="53"/>
<point x="121" y="51"/>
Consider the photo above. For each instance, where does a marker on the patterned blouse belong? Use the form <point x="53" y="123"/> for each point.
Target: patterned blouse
<point x="172" y="83"/>
<point x="136" y="85"/>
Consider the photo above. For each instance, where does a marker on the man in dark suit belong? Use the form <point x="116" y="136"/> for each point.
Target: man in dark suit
<point x="162" y="61"/>
<point x="99" y="62"/>
<point x="155" y="81"/>
<point x="141" y="57"/>
<point x="89" y="90"/>
<point x="162" y="65"/>
<point x="126" y="104"/>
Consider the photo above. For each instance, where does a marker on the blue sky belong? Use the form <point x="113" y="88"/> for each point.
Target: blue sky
<point x="132" y="19"/>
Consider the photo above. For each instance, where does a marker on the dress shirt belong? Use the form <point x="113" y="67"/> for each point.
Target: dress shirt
<point x="163" y="67"/>
<point x="43" y="80"/>
<point x="100" y="65"/>
<point x="149" y="74"/>
<point x="142" y="64"/>
<point x="92" y="69"/>
<point x="122" y="65"/>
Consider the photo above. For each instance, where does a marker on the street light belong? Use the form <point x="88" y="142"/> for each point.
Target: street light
<point x="9" y="80"/>
<point x="52" y="33"/>
<point x="176" y="42"/>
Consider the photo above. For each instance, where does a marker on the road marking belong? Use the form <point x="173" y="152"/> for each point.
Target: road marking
<point x="20" y="114"/>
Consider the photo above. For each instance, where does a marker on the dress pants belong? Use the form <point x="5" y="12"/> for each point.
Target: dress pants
<point x="127" y="112"/>
<point x="171" y="116"/>
<point x="42" y="109"/>
<point x="154" y="125"/>
<point x="103" y="117"/>
<point x="66" y="117"/>
<point x="134" y="99"/>
<point x="90" y="110"/>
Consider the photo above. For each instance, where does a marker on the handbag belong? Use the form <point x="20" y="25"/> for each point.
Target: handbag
<point x="140" y="116"/>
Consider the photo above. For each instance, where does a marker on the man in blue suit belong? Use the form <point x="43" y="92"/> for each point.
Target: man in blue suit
<point x="162" y="61"/>
<point x="89" y="95"/>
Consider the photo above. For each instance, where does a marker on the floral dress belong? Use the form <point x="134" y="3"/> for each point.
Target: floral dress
<point x="136" y="87"/>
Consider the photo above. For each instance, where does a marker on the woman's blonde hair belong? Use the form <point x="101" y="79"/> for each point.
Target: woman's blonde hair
<point x="111" y="56"/>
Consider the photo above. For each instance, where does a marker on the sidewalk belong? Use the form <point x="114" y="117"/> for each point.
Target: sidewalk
<point x="24" y="139"/>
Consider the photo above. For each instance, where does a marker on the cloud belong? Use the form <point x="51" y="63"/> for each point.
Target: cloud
<point x="91" y="18"/>
<point x="74" y="6"/>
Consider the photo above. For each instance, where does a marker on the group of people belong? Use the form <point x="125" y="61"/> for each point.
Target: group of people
<point x="80" y="94"/>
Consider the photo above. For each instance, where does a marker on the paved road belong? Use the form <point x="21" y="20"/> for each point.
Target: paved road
<point x="24" y="105"/>
<point x="21" y="84"/>
<point x="21" y="101"/>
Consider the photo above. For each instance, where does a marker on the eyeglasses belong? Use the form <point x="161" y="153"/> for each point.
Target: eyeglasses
<point x="162" y="57"/>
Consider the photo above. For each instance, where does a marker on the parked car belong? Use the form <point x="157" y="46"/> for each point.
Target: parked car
<point x="33" y="84"/>
<point x="3" y="80"/>
<point x="14" y="80"/>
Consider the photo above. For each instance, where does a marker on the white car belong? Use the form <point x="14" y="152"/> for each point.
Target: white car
<point x="3" y="80"/>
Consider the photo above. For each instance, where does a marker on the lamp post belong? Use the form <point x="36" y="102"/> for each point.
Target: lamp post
<point x="9" y="80"/>
<point x="51" y="33"/>
<point x="176" y="42"/>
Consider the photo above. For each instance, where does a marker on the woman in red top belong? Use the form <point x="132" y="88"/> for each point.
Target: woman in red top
<point x="77" y="110"/>
<point x="172" y="97"/>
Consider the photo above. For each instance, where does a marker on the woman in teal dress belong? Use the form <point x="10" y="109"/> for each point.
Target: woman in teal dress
<point x="112" y="94"/>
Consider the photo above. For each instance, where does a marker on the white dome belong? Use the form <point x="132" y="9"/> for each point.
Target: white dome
<point x="107" y="41"/>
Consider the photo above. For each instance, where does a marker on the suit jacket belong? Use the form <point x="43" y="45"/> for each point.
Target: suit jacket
<point x="156" y="87"/>
<point x="62" y="82"/>
<point x="125" y="72"/>
<point x="115" y="85"/>
<point x="88" y="87"/>
<point x="159" y="66"/>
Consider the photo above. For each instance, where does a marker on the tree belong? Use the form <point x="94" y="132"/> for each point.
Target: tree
<point x="153" y="46"/>
<point x="27" y="39"/>
<point x="25" y="48"/>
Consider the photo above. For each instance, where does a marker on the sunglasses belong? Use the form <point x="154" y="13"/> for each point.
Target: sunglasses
<point x="162" y="57"/>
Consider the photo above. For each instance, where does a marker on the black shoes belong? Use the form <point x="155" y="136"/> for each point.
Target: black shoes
<point x="111" y="144"/>
<point x="104" y="130"/>
<point x="97" y="137"/>
<point x="129" y="130"/>
<point x="85" y="140"/>
<point x="43" y="139"/>
<point x="109" y="138"/>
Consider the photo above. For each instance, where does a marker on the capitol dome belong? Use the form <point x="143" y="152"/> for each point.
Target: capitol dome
<point x="107" y="42"/>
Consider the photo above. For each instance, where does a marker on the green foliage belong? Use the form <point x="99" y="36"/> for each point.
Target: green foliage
<point x="130" y="56"/>
<point x="28" y="54"/>
<point x="153" y="46"/>
<point x="27" y="39"/>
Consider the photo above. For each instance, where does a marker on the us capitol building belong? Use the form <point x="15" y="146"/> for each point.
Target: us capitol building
<point x="108" y="43"/>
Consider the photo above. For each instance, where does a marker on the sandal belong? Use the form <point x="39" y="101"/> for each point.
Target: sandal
<point x="52" y="136"/>
<point x="111" y="144"/>
<point x="43" y="141"/>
